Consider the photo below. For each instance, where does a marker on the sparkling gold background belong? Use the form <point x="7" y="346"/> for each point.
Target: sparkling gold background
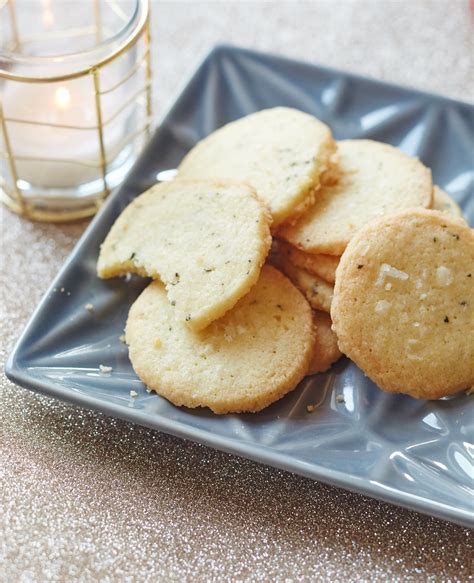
<point x="84" y="497"/>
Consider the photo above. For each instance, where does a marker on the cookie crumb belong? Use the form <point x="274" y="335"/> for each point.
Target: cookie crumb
<point x="89" y="307"/>
<point x="310" y="408"/>
<point x="340" y="399"/>
<point x="133" y="394"/>
<point x="105" y="369"/>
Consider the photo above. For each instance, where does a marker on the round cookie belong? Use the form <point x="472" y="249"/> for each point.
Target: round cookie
<point x="206" y="241"/>
<point x="326" y="351"/>
<point x="444" y="203"/>
<point x="375" y="180"/>
<point x="280" y="152"/>
<point x="317" y="291"/>
<point x="403" y="303"/>
<point x="323" y="266"/>
<point x="253" y="356"/>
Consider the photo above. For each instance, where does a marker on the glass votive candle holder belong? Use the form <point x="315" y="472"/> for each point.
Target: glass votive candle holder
<point x="75" y="102"/>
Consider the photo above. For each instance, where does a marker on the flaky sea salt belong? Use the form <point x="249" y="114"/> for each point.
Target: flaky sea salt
<point x="444" y="276"/>
<point x="387" y="270"/>
<point x="381" y="306"/>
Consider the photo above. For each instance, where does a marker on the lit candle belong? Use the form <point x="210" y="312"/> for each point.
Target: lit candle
<point x="59" y="147"/>
<point x="75" y="102"/>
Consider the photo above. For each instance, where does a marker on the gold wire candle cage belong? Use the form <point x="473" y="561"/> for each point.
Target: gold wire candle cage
<point x="75" y="102"/>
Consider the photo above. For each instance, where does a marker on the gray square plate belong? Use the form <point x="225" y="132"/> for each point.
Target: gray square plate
<point x="392" y="447"/>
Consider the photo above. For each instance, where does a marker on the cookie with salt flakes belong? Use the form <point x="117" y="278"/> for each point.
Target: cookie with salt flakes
<point x="326" y="350"/>
<point x="444" y="203"/>
<point x="281" y="152"/>
<point x="206" y="241"/>
<point x="243" y="362"/>
<point x="324" y="266"/>
<point x="375" y="180"/>
<point x="403" y="303"/>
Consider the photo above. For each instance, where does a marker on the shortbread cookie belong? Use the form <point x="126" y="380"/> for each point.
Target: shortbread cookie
<point x="376" y="179"/>
<point x="206" y="241"/>
<point x="253" y="356"/>
<point x="318" y="292"/>
<point x="323" y="266"/>
<point x="281" y="152"/>
<point x="326" y="351"/>
<point x="444" y="203"/>
<point x="403" y="303"/>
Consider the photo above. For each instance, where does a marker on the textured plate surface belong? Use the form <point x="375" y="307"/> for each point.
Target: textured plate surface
<point x="412" y="453"/>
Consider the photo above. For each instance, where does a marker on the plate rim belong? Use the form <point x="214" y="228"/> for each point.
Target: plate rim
<point x="257" y="453"/>
<point x="265" y="455"/>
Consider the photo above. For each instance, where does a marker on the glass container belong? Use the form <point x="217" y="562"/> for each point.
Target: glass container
<point x="75" y="102"/>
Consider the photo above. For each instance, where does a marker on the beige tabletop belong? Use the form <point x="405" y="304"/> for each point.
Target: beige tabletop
<point x="87" y="498"/>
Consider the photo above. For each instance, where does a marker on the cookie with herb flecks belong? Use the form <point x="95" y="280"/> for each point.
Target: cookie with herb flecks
<point x="206" y="241"/>
<point x="444" y="203"/>
<point x="326" y="351"/>
<point x="403" y="306"/>
<point x="324" y="266"/>
<point x="317" y="291"/>
<point x="375" y="180"/>
<point x="281" y="152"/>
<point x="251" y="357"/>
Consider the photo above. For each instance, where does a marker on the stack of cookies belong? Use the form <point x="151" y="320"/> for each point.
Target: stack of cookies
<point x="233" y="323"/>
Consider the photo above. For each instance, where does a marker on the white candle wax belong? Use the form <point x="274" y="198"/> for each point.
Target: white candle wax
<point x="67" y="157"/>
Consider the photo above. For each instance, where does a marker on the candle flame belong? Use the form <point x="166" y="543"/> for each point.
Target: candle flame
<point x="62" y="98"/>
<point x="48" y="17"/>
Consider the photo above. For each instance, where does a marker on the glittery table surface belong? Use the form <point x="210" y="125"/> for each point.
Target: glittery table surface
<point x="87" y="498"/>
